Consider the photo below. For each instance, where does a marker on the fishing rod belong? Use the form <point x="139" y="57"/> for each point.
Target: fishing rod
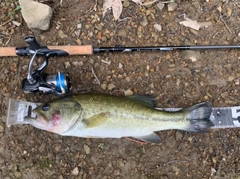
<point x="60" y="83"/>
<point x="89" y="49"/>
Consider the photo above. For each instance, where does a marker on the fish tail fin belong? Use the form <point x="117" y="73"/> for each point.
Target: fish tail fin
<point x="199" y="117"/>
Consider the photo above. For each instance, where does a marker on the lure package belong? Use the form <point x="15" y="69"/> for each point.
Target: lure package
<point x="18" y="109"/>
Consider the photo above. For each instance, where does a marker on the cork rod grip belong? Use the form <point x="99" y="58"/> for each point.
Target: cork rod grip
<point x="7" y="51"/>
<point x="71" y="50"/>
<point x="74" y="50"/>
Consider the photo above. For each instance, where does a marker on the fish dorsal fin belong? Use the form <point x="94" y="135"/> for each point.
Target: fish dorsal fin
<point x="96" y="120"/>
<point x="145" y="99"/>
<point x="151" y="138"/>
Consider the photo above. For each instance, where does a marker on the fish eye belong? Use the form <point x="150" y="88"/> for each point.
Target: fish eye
<point x="46" y="107"/>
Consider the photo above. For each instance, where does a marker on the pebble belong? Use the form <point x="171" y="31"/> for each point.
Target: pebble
<point x="61" y="34"/>
<point x="116" y="172"/>
<point x="179" y="136"/>
<point x="144" y="23"/>
<point x="160" y="6"/>
<point x="67" y="64"/>
<point x="120" y="65"/>
<point x="24" y="67"/>
<point x="87" y="149"/>
<point x="123" y="32"/>
<point x="230" y="78"/>
<point x="111" y="86"/>
<point x="79" y="26"/>
<point x="237" y="82"/>
<point x="128" y="92"/>
<point x="157" y="27"/>
<point x="16" y="23"/>
<point x="103" y="86"/>
<point x="126" y="3"/>
<point x="91" y="61"/>
<point x="172" y="6"/>
<point x="79" y="42"/>
<point x="75" y="171"/>
<point x="151" y="85"/>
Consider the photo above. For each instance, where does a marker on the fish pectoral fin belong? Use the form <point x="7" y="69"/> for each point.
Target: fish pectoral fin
<point x="151" y="138"/>
<point x="96" y="120"/>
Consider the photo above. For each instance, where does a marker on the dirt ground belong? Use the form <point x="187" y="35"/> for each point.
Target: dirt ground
<point x="175" y="80"/>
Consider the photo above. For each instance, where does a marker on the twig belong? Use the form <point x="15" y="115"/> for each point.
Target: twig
<point x="95" y="76"/>
<point x="219" y="167"/>
<point x="6" y="22"/>
<point x="104" y="61"/>
<point x="149" y="3"/>
<point x="174" y="161"/>
<point x="7" y="42"/>
<point x="225" y="24"/>
<point x="136" y="141"/>
<point x="94" y="7"/>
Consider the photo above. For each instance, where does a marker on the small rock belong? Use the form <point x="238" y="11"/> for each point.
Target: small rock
<point x="179" y="135"/>
<point x="157" y="27"/>
<point x="123" y="32"/>
<point x="16" y="23"/>
<point x="160" y="6"/>
<point x="126" y="3"/>
<point x="230" y="78"/>
<point x="111" y="86"/>
<point x="237" y="82"/>
<point x="120" y="65"/>
<point x="75" y="171"/>
<point x="79" y="42"/>
<point x="67" y="64"/>
<point x="79" y="26"/>
<point x="195" y="32"/>
<point x="116" y="172"/>
<point x="121" y="163"/>
<point x="172" y="6"/>
<point x="35" y="14"/>
<point x="24" y="67"/>
<point x="87" y="149"/>
<point x="103" y="87"/>
<point x="144" y="22"/>
<point x="229" y="11"/>
<point x="61" y="34"/>
<point x="90" y="34"/>
<point x="128" y="92"/>
<point x="151" y="85"/>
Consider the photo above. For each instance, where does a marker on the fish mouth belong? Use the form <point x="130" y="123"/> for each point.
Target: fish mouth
<point x="40" y="121"/>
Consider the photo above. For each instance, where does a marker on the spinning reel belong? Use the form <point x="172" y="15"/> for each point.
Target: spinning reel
<point x="37" y="81"/>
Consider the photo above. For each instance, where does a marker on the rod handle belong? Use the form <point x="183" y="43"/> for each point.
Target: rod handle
<point x="74" y="50"/>
<point x="7" y="51"/>
<point x="71" y="50"/>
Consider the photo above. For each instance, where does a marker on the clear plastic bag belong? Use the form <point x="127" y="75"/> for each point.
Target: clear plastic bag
<point x="18" y="109"/>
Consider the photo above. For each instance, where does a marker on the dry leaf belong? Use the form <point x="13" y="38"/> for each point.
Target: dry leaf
<point x="194" y="24"/>
<point x="117" y="8"/>
<point x="106" y="5"/>
<point x="138" y="1"/>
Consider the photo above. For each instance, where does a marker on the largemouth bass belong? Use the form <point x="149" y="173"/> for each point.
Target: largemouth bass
<point x="106" y="116"/>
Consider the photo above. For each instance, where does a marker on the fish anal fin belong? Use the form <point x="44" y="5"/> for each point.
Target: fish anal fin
<point x="151" y="138"/>
<point x="96" y="120"/>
